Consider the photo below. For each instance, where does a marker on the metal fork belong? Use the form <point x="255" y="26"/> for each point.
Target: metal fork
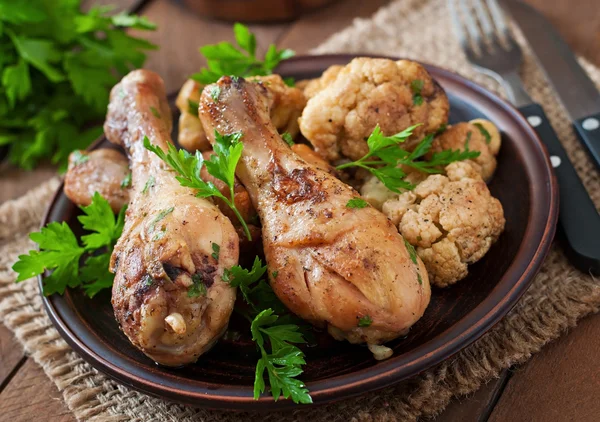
<point x="492" y="50"/>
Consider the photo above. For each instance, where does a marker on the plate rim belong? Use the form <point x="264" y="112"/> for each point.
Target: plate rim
<point x="368" y="379"/>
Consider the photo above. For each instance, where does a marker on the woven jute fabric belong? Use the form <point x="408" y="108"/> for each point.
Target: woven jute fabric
<point x="558" y="297"/>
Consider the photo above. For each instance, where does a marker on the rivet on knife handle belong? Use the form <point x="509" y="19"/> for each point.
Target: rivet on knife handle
<point x="588" y="130"/>
<point x="579" y="221"/>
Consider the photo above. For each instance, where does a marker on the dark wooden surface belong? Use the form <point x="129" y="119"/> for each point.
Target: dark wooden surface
<point x="561" y="383"/>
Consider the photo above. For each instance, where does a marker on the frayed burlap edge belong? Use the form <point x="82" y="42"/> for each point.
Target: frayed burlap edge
<point x="558" y="297"/>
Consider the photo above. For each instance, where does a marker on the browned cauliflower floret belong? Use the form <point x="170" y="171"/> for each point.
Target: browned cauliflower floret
<point x="286" y="105"/>
<point x="367" y="92"/>
<point x="451" y="220"/>
<point x="486" y="140"/>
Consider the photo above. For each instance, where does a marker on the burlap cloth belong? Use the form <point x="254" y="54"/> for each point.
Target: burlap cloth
<point x="558" y="297"/>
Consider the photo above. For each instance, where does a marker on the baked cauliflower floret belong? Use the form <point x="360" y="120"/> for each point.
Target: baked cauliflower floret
<point x="486" y="140"/>
<point x="286" y="107"/>
<point x="452" y="221"/>
<point x="367" y="92"/>
<point x="313" y="86"/>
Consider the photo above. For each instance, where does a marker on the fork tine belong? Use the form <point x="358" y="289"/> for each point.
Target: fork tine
<point x="484" y="20"/>
<point x="498" y="18"/>
<point x="457" y="24"/>
<point x="470" y="24"/>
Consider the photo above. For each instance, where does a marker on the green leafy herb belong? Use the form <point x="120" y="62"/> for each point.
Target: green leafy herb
<point x="289" y="82"/>
<point x="214" y="91"/>
<point x="221" y="165"/>
<point x="412" y="253"/>
<point x="126" y="181"/>
<point x="287" y="138"/>
<point x="79" y="157"/>
<point x="149" y="184"/>
<point x="155" y="112"/>
<point x="226" y="59"/>
<point x="197" y="288"/>
<point x="385" y="156"/>
<point x="365" y="321"/>
<point x="416" y="87"/>
<point x="484" y="132"/>
<point x="57" y="66"/>
<point x="357" y="203"/>
<point x="160" y="216"/>
<point x="275" y="274"/>
<point x="216" y="249"/>
<point x="193" y="107"/>
<point x="61" y="252"/>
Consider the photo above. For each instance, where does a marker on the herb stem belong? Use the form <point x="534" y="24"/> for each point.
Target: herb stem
<point x="231" y="204"/>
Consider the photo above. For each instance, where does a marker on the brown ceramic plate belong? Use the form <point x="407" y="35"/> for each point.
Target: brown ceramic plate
<point x="456" y="317"/>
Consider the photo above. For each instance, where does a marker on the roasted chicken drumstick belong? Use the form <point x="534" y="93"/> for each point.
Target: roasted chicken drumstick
<point x="336" y="266"/>
<point x="168" y="295"/>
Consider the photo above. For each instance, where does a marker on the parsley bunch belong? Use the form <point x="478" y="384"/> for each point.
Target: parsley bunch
<point x="226" y="59"/>
<point x="283" y="363"/>
<point x="61" y="252"/>
<point x="221" y="165"/>
<point x="57" y="65"/>
<point x="385" y="156"/>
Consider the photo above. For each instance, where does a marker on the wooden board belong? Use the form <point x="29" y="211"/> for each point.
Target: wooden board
<point x="11" y="356"/>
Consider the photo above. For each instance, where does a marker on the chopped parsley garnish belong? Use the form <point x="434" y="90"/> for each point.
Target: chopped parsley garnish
<point x="222" y="164"/>
<point x="61" y="252"/>
<point x="283" y="362"/>
<point x="357" y="203"/>
<point x="214" y="91"/>
<point x="197" y="288"/>
<point x="149" y="184"/>
<point x="365" y="321"/>
<point x="416" y="87"/>
<point x="79" y="157"/>
<point x="193" y="107"/>
<point x="58" y="65"/>
<point x="291" y="82"/>
<point x="412" y="253"/>
<point x="287" y="138"/>
<point x="161" y="215"/>
<point x="385" y="157"/>
<point x="275" y="274"/>
<point x="126" y="181"/>
<point x="484" y="132"/>
<point x="155" y="112"/>
<point x="225" y="58"/>
<point x="216" y="249"/>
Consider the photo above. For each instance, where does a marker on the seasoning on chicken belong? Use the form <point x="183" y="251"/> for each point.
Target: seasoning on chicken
<point x="452" y="221"/>
<point x="338" y="266"/>
<point x="367" y="92"/>
<point x="286" y="105"/>
<point x="168" y="295"/>
<point x="105" y="171"/>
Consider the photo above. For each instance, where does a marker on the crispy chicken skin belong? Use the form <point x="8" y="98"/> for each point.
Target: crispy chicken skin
<point x="168" y="295"/>
<point x="286" y="105"/>
<point x="103" y="171"/>
<point x="344" y="110"/>
<point x="334" y="265"/>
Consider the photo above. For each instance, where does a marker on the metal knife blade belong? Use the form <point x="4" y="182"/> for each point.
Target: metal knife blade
<point x="574" y="87"/>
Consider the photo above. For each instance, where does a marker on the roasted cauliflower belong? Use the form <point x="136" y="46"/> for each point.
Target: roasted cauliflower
<point x="313" y="86"/>
<point x="286" y="105"/>
<point x="478" y="135"/>
<point x="367" y="92"/>
<point x="451" y="220"/>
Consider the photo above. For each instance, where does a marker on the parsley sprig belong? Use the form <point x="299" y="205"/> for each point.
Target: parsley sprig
<point x="61" y="252"/>
<point x="57" y="66"/>
<point x="274" y="332"/>
<point x="226" y="59"/>
<point x="386" y="155"/>
<point x="222" y="164"/>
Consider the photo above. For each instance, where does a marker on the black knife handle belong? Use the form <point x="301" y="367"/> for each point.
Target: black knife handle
<point x="579" y="221"/>
<point x="588" y="130"/>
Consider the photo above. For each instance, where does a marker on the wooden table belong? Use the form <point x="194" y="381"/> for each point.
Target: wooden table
<point x="560" y="383"/>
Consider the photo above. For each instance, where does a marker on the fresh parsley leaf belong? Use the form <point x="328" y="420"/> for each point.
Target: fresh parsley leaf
<point x="357" y="203"/>
<point x="79" y="158"/>
<point x="291" y="82"/>
<point x="159" y="217"/>
<point x="275" y="273"/>
<point x="57" y="66"/>
<point x="385" y="158"/>
<point x="226" y="59"/>
<point x="193" y="107"/>
<point x="416" y="87"/>
<point x="61" y="252"/>
<point x="365" y="321"/>
<point x="222" y="164"/>
<point x="214" y="91"/>
<point x="216" y="250"/>
<point x="197" y="288"/>
<point x="126" y="183"/>
<point x="149" y="184"/>
<point x="287" y="138"/>
<point x="412" y="253"/>
<point x="484" y="132"/>
<point x="155" y="112"/>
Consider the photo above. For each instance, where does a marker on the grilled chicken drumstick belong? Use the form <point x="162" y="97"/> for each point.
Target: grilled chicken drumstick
<point x="168" y="295"/>
<point x="335" y="266"/>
